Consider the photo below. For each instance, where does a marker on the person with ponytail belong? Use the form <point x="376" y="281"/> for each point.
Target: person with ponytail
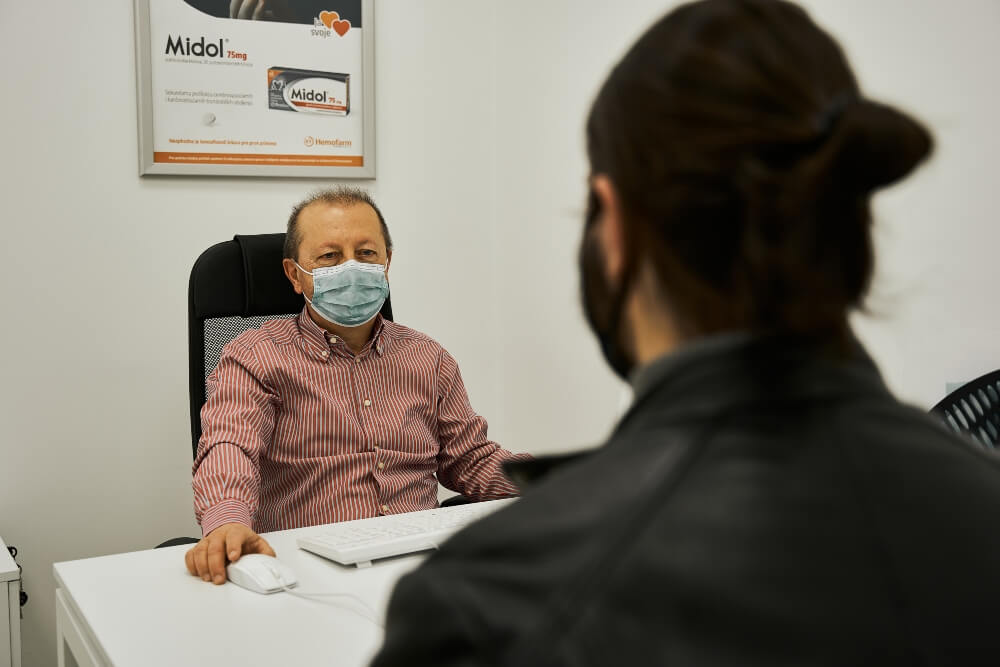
<point x="765" y="500"/>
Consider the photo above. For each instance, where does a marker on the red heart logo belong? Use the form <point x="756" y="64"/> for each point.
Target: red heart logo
<point x="328" y="18"/>
<point x="341" y="27"/>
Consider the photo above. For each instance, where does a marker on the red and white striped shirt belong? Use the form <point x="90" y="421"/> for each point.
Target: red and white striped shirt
<point x="298" y="431"/>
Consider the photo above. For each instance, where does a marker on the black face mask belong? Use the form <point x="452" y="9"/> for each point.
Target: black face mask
<point x="602" y="307"/>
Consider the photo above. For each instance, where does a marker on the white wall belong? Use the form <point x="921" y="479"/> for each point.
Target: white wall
<point x="94" y="265"/>
<point x="933" y="319"/>
<point x="481" y="175"/>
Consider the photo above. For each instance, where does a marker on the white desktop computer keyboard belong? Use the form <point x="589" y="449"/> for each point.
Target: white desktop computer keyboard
<point x="362" y="541"/>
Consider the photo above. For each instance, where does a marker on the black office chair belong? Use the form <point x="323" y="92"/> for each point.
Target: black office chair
<point x="973" y="410"/>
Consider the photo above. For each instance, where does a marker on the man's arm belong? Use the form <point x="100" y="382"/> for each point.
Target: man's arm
<point x="237" y="425"/>
<point x="468" y="461"/>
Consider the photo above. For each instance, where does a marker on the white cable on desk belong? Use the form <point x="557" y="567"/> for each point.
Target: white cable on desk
<point x="370" y="614"/>
<point x="317" y="597"/>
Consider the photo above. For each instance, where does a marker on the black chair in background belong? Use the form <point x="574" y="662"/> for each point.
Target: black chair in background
<point x="973" y="410"/>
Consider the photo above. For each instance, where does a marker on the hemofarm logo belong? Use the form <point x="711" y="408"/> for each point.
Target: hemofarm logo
<point x="334" y="143"/>
<point x="202" y="48"/>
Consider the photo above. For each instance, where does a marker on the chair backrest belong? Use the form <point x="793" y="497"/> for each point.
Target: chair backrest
<point x="974" y="410"/>
<point x="235" y="286"/>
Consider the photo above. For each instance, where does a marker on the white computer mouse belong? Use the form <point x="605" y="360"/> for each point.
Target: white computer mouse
<point x="261" y="574"/>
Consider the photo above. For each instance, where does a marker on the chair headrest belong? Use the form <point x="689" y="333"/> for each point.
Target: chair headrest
<point x="242" y="277"/>
<point x="267" y="289"/>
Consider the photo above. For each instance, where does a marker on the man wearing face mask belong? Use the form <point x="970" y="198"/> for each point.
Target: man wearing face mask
<point x="337" y="414"/>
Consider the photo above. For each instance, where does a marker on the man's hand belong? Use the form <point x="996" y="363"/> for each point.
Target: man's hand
<point x="225" y="544"/>
<point x="260" y="10"/>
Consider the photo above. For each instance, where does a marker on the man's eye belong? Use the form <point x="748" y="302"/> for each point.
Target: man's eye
<point x="367" y="253"/>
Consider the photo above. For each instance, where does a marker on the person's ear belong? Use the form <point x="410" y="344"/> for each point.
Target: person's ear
<point x="611" y="226"/>
<point x="292" y="273"/>
<point x="388" y="260"/>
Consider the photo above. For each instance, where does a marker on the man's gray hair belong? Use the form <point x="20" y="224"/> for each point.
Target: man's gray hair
<point x="342" y="195"/>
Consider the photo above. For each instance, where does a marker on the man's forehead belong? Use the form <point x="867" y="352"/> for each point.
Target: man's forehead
<point x="325" y="221"/>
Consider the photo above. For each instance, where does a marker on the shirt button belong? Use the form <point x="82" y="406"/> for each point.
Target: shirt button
<point x="367" y="402"/>
<point x="385" y="508"/>
<point x="379" y="349"/>
<point x="381" y="465"/>
<point x="326" y="353"/>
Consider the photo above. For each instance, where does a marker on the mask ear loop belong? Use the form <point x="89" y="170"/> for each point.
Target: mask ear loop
<point x="308" y="273"/>
<point x="619" y="360"/>
<point x="612" y="332"/>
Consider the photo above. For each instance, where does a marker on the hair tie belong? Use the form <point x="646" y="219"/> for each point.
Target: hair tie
<point x="829" y="119"/>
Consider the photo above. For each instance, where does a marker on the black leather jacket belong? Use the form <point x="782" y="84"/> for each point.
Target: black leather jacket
<point x="762" y="503"/>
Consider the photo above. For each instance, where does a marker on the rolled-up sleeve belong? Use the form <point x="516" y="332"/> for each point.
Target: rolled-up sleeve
<point x="468" y="461"/>
<point x="237" y="424"/>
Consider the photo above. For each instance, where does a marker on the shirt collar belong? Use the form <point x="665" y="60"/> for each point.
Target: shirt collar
<point x="321" y="339"/>
<point x="379" y="336"/>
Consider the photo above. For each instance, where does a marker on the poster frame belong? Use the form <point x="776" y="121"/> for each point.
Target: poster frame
<point x="144" y="108"/>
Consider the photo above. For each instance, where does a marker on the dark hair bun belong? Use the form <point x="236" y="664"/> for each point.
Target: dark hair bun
<point x="873" y="145"/>
<point x="744" y="155"/>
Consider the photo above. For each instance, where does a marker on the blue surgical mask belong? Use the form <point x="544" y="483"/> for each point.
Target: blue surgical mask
<point x="349" y="294"/>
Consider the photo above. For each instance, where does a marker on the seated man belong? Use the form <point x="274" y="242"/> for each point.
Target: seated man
<point x="337" y="414"/>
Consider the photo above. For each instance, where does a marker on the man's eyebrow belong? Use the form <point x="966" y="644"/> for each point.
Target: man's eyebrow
<point x="324" y="247"/>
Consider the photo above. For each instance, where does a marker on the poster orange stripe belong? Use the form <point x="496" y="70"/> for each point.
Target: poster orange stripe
<point x="260" y="159"/>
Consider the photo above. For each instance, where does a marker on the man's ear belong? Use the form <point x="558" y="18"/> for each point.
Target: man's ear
<point x="388" y="261"/>
<point x="292" y="273"/>
<point x="611" y="226"/>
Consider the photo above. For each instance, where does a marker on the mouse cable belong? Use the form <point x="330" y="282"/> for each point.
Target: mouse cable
<point x="369" y="614"/>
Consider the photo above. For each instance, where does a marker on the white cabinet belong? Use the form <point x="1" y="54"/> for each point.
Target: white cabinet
<point x="10" y="610"/>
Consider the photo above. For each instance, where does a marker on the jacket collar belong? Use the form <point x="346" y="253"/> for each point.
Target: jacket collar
<point x="736" y="371"/>
<point x="706" y="379"/>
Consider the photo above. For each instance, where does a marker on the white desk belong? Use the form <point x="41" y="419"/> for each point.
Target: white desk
<point x="10" y="610"/>
<point x="143" y="608"/>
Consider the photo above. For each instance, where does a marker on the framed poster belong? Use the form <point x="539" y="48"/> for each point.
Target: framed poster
<point x="256" y="87"/>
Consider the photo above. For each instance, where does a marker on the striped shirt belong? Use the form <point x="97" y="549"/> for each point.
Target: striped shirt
<point x="298" y="431"/>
